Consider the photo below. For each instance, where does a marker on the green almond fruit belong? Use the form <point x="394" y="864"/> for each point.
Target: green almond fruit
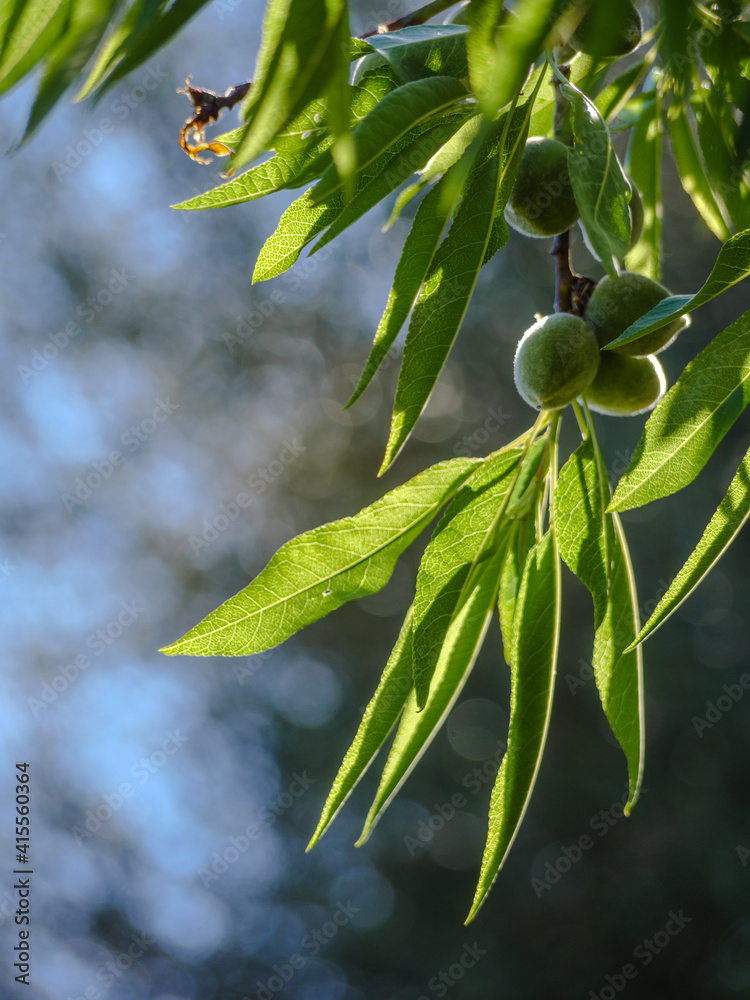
<point x="542" y="203"/>
<point x="608" y="30"/>
<point x="624" y="386"/>
<point x="556" y="360"/>
<point x="617" y="303"/>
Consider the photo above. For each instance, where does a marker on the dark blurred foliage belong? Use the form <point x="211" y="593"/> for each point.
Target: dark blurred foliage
<point x="206" y="777"/>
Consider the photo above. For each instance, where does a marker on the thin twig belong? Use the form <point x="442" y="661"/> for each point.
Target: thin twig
<point x="418" y="16"/>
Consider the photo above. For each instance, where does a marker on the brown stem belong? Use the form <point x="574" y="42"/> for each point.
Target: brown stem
<point x="418" y="16"/>
<point x="565" y="279"/>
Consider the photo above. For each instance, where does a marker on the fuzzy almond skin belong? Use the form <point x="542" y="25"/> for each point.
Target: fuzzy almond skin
<point x="625" y="386"/>
<point x="556" y="360"/>
<point x="606" y="32"/>
<point x="542" y="203"/>
<point x="618" y="302"/>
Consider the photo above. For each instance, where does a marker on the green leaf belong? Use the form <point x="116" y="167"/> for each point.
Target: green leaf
<point x="87" y="22"/>
<point x="644" y="167"/>
<point x="396" y="115"/>
<point x="478" y="228"/>
<point x="599" y="183"/>
<point x="425" y="50"/>
<point x="616" y="94"/>
<point x="534" y="661"/>
<point x="693" y="172"/>
<point x="399" y="169"/>
<point x="466" y="533"/>
<point x="151" y="35"/>
<point x="523" y="538"/>
<point x="593" y="545"/>
<point x="683" y="431"/>
<point x="580" y="500"/>
<point x="377" y="722"/>
<point x="299" y="224"/>
<point x="300" y="54"/>
<point x="501" y="69"/>
<point x="141" y="13"/>
<point x="619" y="670"/>
<point x="732" y="266"/>
<point x="721" y="531"/>
<point x="460" y="649"/>
<point x="716" y="128"/>
<point x="319" y="571"/>
<point x="419" y="251"/>
<point x="29" y="31"/>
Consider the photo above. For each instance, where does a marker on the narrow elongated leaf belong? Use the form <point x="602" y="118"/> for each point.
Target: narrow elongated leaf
<point x="28" y="33"/>
<point x="297" y="227"/>
<point x="616" y="94"/>
<point x="319" y="571"/>
<point x="599" y="183"/>
<point x="378" y="720"/>
<point x="523" y="538"/>
<point x="419" y="251"/>
<point x="731" y="267"/>
<point x="619" y="672"/>
<point x="721" y="531"/>
<point x="460" y="649"/>
<point x="139" y="14"/>
<point x="465" y="534"/>
<point x="580" y="501"/>
<point x="425" y="50"/>
<point x="716" y="130"/>
<point x="300" y="53"/>
<point x="152" y="34"/>
<point x="477" y="230"/>
<point x="394" y="117"/>
<point x="84" y="28"/>
<point x="693" y="172"/>
<point x="644" y="167"/>
<point x="681" y="434"/>
<point x="399" y="169"/>
<point x="505" y="62"/>
<point x="534" y="662"/>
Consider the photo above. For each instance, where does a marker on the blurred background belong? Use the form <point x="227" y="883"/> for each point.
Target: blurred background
<point x="165" y="427"/>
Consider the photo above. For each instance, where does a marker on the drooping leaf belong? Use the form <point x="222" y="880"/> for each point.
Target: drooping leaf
<point x="716" y="127"/>
<point x="616" y="94"/>
<point x="150" y="34"/>
<point x="683" y="431"/>
<point x="644" y="167"/>
<point x="599" y="183"/>
<point x="580" y="501"/>
<point x="419" y="251"/>
<point x="300" y="54"/>
<point x="297" y="227"/>
<point x="28" y="33"/>
<point x="425" y="50"/>
<point x="394" y="117"/>
<point x="523" y="538"/>
<point x="722" y="529"/>
<point x="137" y="16"/>
<point x="732" y="266"/>
<point x="460" y="649"/>
<point x="593" y="545"/>
<point x="693" y="172"/>
<point x="478" y="228"/>
<point x="533" y="666"/>
<point x="317" y="572"/>
<point x="466" y="533"/>
<point x="83" y="30"/>
<point x="377" y="722"/>
<point x="618" y="672"/>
